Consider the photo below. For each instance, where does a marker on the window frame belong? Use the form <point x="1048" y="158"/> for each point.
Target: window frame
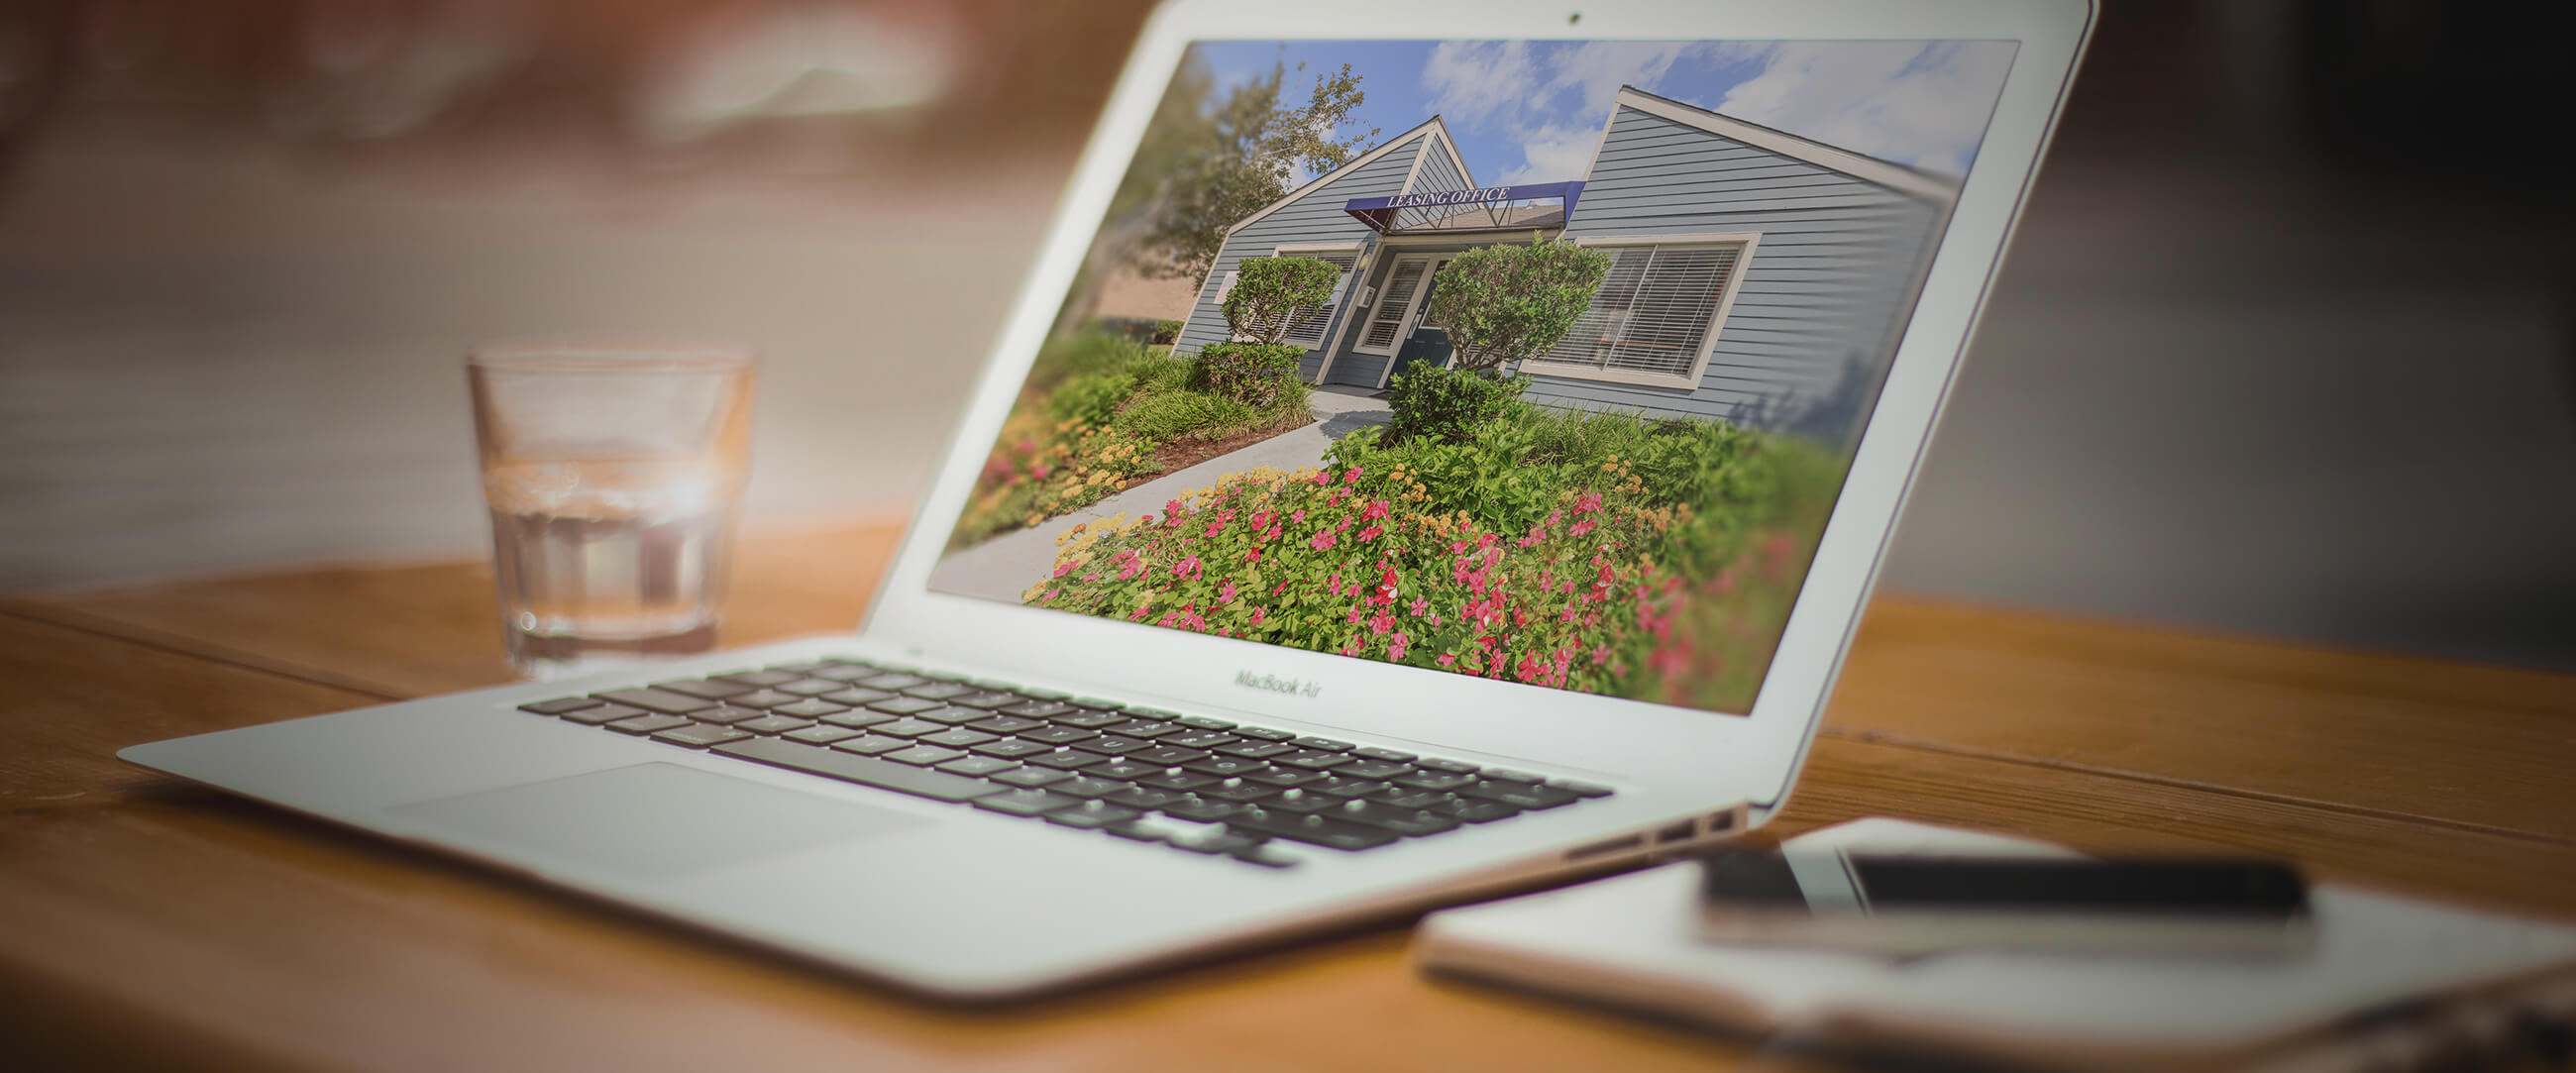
<point x="1746" y="241"/>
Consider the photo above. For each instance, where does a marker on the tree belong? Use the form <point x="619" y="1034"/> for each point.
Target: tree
<point x="1508" y="303"/>
<point x="1248" y="160"/>
<point x="1271" y="294"/>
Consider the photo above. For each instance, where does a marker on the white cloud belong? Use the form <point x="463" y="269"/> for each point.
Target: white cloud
<point x="1526" y="94"/>
<point x="1477" y="82"/>
<point x="1552" y="153"/>
<point x="1918" y="104"/>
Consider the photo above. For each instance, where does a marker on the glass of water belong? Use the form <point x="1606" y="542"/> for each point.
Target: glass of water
<point x="614" y="473"/>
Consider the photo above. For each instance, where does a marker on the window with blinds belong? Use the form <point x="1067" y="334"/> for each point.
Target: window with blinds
<point x="1393" y="303"/>
<point x="1309" y="329"/>
<point x="1654" y="310"/>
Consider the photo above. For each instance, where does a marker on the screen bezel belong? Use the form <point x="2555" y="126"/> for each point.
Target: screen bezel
<point x="1748" y="757"/>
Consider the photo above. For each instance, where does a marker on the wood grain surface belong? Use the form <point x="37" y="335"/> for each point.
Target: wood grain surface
<point x="154" y="925"/>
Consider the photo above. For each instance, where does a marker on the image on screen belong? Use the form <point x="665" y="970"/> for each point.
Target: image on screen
<point x="1539" y="361"/>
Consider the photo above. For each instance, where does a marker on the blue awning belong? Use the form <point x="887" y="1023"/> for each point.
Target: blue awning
<point x="1486" y="208"/>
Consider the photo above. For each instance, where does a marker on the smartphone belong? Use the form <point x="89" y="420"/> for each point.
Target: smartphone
<point x="1920" y="904"/>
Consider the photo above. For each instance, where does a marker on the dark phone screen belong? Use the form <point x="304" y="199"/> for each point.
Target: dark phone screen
<point x="2255" y="888"/>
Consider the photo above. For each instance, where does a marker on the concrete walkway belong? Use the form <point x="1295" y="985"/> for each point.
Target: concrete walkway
<point x="1004" y="567"/>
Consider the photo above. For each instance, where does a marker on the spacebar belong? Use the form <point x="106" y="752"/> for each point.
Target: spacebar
<point x="864" y="770"/>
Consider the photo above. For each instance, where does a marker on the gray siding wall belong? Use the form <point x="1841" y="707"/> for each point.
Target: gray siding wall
<point x="1819" y="300"/>
<point x="1438" y="174"/>
<point x="1315" y="217"/>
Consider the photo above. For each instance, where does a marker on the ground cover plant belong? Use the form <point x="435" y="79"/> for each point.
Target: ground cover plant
<point x="1098" y="413"/>
<point x="1607" y="553"/>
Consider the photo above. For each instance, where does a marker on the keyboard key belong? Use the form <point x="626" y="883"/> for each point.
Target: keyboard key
<point x="1344" y="786"/>
<point x="1311" y="758"/>
<point x="1580" y="789"/>
<point x="1226" y="844"/>
<point x="1095" y="704"/>
<point x="1044" y="694"/>
<point x="773" y="724"/>
<point x="872" y="745"/>
<point x="758" y="679"/>
<point x="654" y="723"/>
<point x="656" y="700"/>
<point x="1264" y="734"/>
<point x="763" y="698"/>
<point x="1374" y="753"/>
<point x="560" y="705"/>
<point x="856" y="698"/>
<point x="1088" y="785"/>
<point x="1166" y="755"/>
<point x="1114" y="745"/>
<point x="1265" y="855"/>
<point x="978" y="765"/>
<point x="960" y="737"/>
<point x="710" y="688"/>
<point x="859" y="719"/>
<point x="894" y="682"/>
<point x="905" y="706"/>
<point x="1372" y="769"/>
<point x="1058" y="735"/>
<point x="940" y="691"/>
<point x="605" y="713"/>
<point x="925" y="755"/>
<point x="1201" y="722"/>
<point x="821" y="735"/>
<point x="1013" y="748"/>
<point x="1459" y="767"/>
<point x="1134" y="831"/>
<point x="726" y="713"/>
<point x="1089" y="720"/>
<point x="908" y="728"/>
<point x="1145" y="797"/>
<point x="1038" y="709"/>
<point x="1410" y="823"/>
<point x="808" y="709"/>
<point x="1417" y="800"/>
<point x="1179" y="780"/>
<point x="1033" y="776"/>
<point x="1442" y="781"/>
<point x="1227" y="766"/>
<point x="1145" y="728"/>
<point x="1201" y="739"/>
<point x="1520" y="795"/>
<point x="700" y="735"/>
<point x="1508" y="775"/>
<point x="1025" y="802"/>
<point x="1300" y="803"/>
<point x="1240" y="792"/>
<point x="800" y="668"/>
<point x="1005" y="724"/>
<point x="842" y="672"/>
<point x="1203" y="810"/>
<point x="1067" y="759"/>
<point x="1124" y="769"/>
<point x="1286" y="776"/>
<point x="1326" y="744"/>
<point x="864" y="770"/>
<point x="987" y="700"/>
<point x="1153" y="713"/>
<point x="952" y="716"/>
<point x="1256" y="749"/>
<point x="1472" y="809"/>
<point x="1312" y="830"/>
<point x="1092" y="816"/>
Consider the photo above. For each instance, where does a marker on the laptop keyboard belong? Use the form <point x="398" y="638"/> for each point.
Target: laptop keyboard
<point x="1196" y="784"/>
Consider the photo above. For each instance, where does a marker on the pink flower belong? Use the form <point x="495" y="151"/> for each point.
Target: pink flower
<point x="1445" y="659"/>
<point x="1272" y="533"/>
<point x="1299" y="517"/>
<point x="1420" y="606"/>
<point x="1371" y="533"/>
<point x="1375" y="511"/>
<point x="1352" y="476"/>
<point x="1386" y="590"/>
<point x="1172" y="508"/>
<point x="1322" y="477"/>
<point x="1252" y="556"/>
<point x="1063" y="568"/>
<point x="1381" y="623"/>
<point x="1225" y="591"/>
<point x="1583" y="527"/>
<point x="1395" y="648"/>
<point x="1258" y="614"/>
<point x="1323" y="541"/>
<point x="1587" y="503"/>
<point x="1188" y="569"/>
<point x="1040" y="470"/>
<point x="1051" y="594"/>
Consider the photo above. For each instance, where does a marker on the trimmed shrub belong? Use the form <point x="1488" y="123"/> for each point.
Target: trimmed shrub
<point x="1258" y="375"/>
<point x="1271" y="294"/>
<point x="1165" y="332"/>
<point x="1174" y="414"/>
<point x="1431" y="402"/>
<point x="1506" y="304"/>
<point x="1090" y="396"/>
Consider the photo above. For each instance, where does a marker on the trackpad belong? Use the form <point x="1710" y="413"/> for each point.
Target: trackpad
<point x="654" y="819"/>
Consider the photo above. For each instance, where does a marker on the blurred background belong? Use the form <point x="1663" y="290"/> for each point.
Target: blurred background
<point x="2286" y="344"/>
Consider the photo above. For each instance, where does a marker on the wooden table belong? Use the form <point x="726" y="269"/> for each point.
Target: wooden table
<point x="150" y="924"/>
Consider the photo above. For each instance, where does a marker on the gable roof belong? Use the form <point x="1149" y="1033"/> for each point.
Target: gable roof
<point x="1915" y="181"/>
<point x="1363" y="160"/>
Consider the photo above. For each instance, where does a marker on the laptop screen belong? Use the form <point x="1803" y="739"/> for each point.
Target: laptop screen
<point x="1540" y="361"/>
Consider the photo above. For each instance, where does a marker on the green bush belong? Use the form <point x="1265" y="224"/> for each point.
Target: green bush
<point x="1091" y="396"/>
<point x="1271" y="294"/>
<point x="1431" y="402"/>
<point x="1068" y="355"/>
<point x="1162" y="372"/>
<point x="1505" y="303"/>
<point x="1258" y="375"/>
<point x="1165" y="332"/>
<point x="1172" y="415"/>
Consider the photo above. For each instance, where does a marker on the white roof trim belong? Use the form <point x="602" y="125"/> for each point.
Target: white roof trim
<point x="1363" y="160"/>
<point x="1451" y="144"/>
<point x="1893" y="176"/>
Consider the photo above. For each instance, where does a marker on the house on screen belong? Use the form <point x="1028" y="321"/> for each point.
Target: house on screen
<point x="1756" y="276"/>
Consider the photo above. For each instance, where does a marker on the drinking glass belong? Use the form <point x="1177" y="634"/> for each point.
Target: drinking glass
<point x="614" y="472"/>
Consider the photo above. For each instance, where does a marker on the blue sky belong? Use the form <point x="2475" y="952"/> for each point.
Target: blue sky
<point x="1530" y="111"/>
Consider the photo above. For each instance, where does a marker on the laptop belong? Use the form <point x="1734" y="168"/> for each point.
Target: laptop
<point x="1163" y="668"/>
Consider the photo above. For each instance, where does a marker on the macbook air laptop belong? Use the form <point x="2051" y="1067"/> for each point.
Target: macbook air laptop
<point x="1113" y="708"/>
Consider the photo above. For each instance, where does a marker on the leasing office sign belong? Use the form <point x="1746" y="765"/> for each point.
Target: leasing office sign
<point x="1381" y="213"/>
